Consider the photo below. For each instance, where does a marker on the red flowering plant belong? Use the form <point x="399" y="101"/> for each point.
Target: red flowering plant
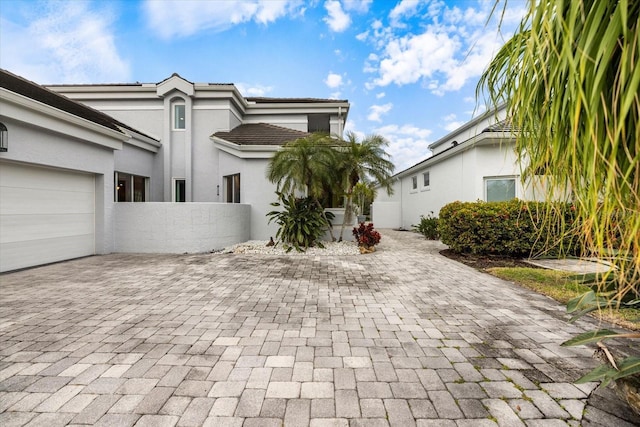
<point x="366" y="235"/>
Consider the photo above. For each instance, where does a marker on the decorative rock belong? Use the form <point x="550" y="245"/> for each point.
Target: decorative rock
<point x="262" y="247"/>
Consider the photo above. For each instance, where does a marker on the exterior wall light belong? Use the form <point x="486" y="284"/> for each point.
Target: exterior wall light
<point x="4" y="138"/>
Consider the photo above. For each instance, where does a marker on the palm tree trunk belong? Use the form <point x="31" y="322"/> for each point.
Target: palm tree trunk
<point x="333" y="238"/>
<point x="348" y="210"/>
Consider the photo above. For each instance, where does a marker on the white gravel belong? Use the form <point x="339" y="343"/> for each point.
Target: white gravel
<point x="260" y="247"/>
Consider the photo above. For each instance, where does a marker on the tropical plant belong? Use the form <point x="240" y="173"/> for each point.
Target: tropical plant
<point x="428" y="227"/>
<point x="363" y="194"/>
<point x="570" y="80"/>
<point x="304" y="165"/>
<point x="302" y="222"/>
<point x="366" y="235"/>
<point x="359" y="159"/>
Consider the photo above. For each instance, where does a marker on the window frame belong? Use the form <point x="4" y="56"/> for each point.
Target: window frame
<point x="426" y="187"/>
<point x="231" y="193"/>
<point x="129" y="182"/>
<point x="175" y="122"/>
<point x="318" y="122"/>
<point x="174" y="190"/>
<point x="488" y="179"/>
<point x="414" y="184"/>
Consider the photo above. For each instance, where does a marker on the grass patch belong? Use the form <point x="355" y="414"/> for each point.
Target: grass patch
<point x="560" y="286"/>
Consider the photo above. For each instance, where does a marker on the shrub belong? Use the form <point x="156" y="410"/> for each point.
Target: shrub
<point x="512" y="228"/>
<point x="366" y="235"/>
<point x="302" y="222"/>
<point x="428" y="227"/>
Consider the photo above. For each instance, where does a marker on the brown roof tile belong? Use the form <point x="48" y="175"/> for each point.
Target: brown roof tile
<point x="41" y="94"/>
<point x="261" y="134"/>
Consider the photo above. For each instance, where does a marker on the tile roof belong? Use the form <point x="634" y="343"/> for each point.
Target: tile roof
<point x="261" y="134"/>
<point x="41" y="94"/>
<point x="501" y="126"/>
<point x="261" y="100"/>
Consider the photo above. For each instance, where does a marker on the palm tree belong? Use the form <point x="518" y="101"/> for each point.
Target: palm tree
<point x="570" y="78"/>
<point x="304" y="165"/>
<point x="357" y="160"/>
<point x="364" y="192"/>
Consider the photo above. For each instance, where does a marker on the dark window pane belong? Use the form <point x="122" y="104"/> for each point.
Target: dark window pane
<point x="318" y="123"/>
<point x="139" y="189"/>
<point x="180" y="190"/>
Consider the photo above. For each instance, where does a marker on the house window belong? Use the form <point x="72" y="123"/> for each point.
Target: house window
<point x="500" y="189"/>
<point x="414" y="182"/>
<point x="179" y="190"/>
<point x="318" y="123"/>
<point x="179" y="116"/>
<point x="232" y="188"/>
<point x="131" y="188"/>
<point x="426" y="180"/>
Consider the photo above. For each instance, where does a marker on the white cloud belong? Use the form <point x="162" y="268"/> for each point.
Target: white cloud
<point x="333" y="80"/>
<point x="173" y="18"/>
<point x="362" y="36"/>
<point x="403" y="9"/>
<point x="410" y="58"/>
<point x="408" y="144"/>
<point x="68" y="43"/>
<point x="453" y="125"/>
<point x="360" y="6"/>
<point x="337" y="19"/>
<point x="381" y="95"/>
<point x="376" y="111"/>
<point x="253" y="90"/>
<point x="452" y="46"/>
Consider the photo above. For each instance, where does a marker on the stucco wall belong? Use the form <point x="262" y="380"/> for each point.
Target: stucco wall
<point x="180" y="227"/>
<point x="459" y="177"/>
<point x="255" y="189"/>
<point x="386" y="214"/>
<point x="37" y="146"/>
<point x="141" y="162"/>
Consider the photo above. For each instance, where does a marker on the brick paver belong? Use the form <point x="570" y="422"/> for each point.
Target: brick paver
<point x="400" y="337"/>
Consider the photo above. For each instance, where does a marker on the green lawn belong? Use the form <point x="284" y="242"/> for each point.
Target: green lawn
<point x="562" y="287"/>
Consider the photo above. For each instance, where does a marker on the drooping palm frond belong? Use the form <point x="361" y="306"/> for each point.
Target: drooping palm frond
<point x="571" y="81"/>
<point x="302" y="165"/>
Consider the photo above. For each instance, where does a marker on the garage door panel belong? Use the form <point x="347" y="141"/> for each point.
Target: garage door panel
<point x="29" y="201"/>
<point x="14" y="255"/>
<point x="22" y="176"/>
<point x="46" y="215"/>
<point x="14" y="228"/>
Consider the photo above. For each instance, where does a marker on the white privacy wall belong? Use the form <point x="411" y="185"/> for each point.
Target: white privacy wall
<point x="180" y="227"/>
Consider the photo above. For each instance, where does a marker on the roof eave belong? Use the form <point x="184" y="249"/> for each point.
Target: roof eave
<point x="484" y="138"/>
<point x="245" y="151"/>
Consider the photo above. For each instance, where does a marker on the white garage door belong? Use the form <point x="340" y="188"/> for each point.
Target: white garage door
<point x="46" y="215"/>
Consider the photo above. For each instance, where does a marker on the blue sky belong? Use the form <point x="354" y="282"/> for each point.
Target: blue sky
<point x="408" y="68"/>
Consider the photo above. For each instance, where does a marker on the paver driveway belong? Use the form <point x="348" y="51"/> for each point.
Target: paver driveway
<point x="401" y="337"/>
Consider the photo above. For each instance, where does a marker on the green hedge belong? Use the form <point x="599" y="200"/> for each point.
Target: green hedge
<point x="512" y="228"/>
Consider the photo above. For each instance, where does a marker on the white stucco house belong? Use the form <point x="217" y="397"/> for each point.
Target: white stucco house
<point x="173" y="166"/>
<point x="475" y="162"/>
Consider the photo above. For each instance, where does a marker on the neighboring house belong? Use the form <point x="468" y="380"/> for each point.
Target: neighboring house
<point x="475" y="162"/>
<point x="73" y="160"/>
